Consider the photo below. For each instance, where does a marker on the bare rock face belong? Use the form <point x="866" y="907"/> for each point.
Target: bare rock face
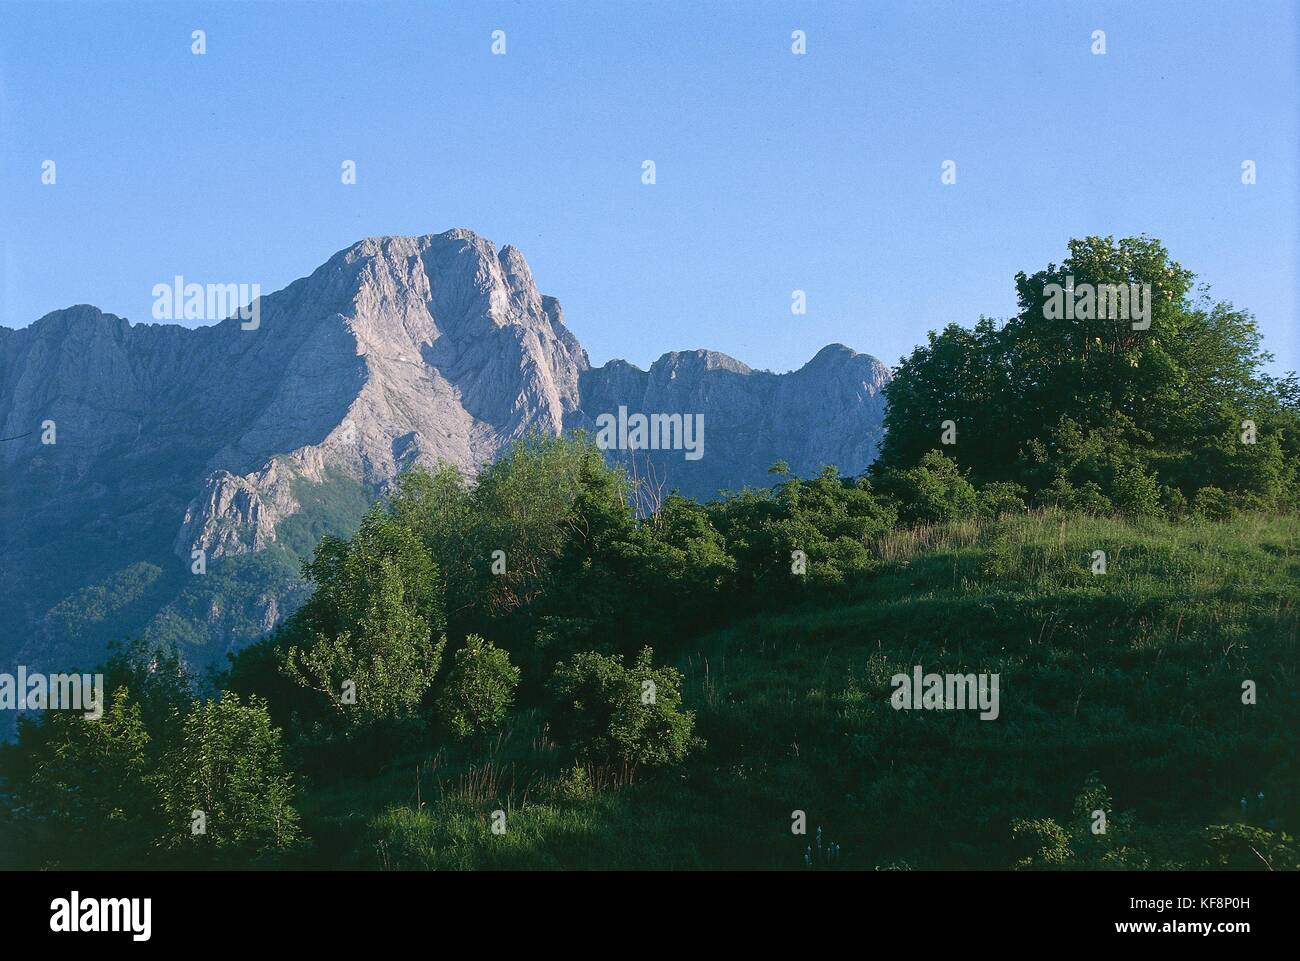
<point x="409" y="350"/>
<point x="397" y="351"/>
<point x="234" y="514"/>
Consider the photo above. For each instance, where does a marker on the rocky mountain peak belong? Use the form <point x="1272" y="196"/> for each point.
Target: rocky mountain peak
<point x="697" y="361"/>
<point x="397" y="351"/>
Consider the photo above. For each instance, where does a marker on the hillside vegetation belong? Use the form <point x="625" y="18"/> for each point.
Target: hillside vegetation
<point x="555" y="666"/>
<point x="1122" y="689"/>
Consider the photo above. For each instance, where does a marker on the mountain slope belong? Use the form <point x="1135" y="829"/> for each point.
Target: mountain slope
<point x="248" y="444"/>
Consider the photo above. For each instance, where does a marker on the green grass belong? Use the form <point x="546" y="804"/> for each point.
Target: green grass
<point x="1135" y="675"/>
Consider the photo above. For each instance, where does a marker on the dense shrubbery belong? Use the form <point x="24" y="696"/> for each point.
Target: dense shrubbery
<point x="1120" y="841"/>
<point x="225" y="774"/>
<point x="160" y="778"/>
<point x="627" y="716"/>
<point x="1091" y="414"/>
<point x="369" y="636"/>
<point x="934" y="490"/>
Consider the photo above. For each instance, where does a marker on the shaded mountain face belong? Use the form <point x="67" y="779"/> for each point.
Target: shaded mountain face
<point x="248" y="444"/>
<point x="830" y="411"/>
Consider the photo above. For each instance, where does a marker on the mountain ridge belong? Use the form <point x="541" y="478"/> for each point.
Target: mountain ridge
<point x="394" y="352"/>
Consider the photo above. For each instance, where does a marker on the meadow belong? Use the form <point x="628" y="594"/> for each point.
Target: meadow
<point x="1127" y="685"/>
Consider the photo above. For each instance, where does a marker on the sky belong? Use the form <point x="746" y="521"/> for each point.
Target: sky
<point x="775" y="172"/>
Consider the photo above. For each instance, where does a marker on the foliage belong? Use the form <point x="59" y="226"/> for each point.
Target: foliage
<point x="368" y="650"/>
<point x="1098" y="400"/>
<point x="116" y="792"/>
<point x="631" y="716"/>
<point x="84" y="785"/>
<point x="1127" y="844"/>
<point x="934" y="490"/>
<point x="780" y="616"/>
<point x="1002" y="497"/>
<point x="479" y="688"/>
<point x="227" y="770"/>
<point x="1211" y="503"/>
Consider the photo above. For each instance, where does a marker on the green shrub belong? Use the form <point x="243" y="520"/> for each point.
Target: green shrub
<point x="1087" y="498"/>
<point x="90" y="780"/>
<point x="1173" y="502"/>
<point x="934" y="490"/>
<point x="572" y="787"/>
<point x="1247" y="848"/>
<point x="1211" y="503"/>
<point x="1002" y="497"/>
<point x="1136" y="493"/>
<point x="1082" y="843"/>
<point x="1127" y="844"/>
<point x="227" y="776"/>
<point x="615" y="714"/>
<point x="479" y="688"/>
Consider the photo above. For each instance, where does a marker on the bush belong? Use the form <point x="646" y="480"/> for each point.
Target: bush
<point x="1211" y="504"/>
<point x="368" y="654"/>
<point x="572" y="787"/>
<point x="935" y="490"/>
<point x="1127" y="844"/>
<point x="1173" y="502"/>
<point x="479" y="688"/>
<point x="1075" y="845"/>
<point x="229" y="766"/>
<point x="612" y="713"/>
<point x="1087" y="498"/>
<point x="89" y="780"/>
<point x="1242" y="847"/>
<point x="1136" y="493"/>
<point x="1002" y="497"/>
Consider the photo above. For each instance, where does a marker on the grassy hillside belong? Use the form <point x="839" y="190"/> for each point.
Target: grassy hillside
<point x="553" y="665"/>
<point x="1135" y="675"/>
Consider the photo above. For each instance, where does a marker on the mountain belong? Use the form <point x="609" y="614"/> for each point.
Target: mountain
<point x="249" y="444"/>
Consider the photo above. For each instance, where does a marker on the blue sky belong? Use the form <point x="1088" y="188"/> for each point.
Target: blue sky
<point x="775" y="172"/>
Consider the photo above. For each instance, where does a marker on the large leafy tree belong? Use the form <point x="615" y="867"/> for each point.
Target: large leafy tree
<point x="368" y="643"/>
<point x="1036" y="389"/>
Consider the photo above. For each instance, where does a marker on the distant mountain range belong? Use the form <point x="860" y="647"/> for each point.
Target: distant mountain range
<point x="248" y="444"/>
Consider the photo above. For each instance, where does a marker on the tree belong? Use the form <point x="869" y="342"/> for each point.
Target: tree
<point x="437" y="508"/>
<point x="158" y="680"/>
<point x="224" y="788"/>
<point x="90" y="780"/>
<point x="368" y="648"/>
<point x="553" y="505"/>
<point x="1105" y="396"/>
